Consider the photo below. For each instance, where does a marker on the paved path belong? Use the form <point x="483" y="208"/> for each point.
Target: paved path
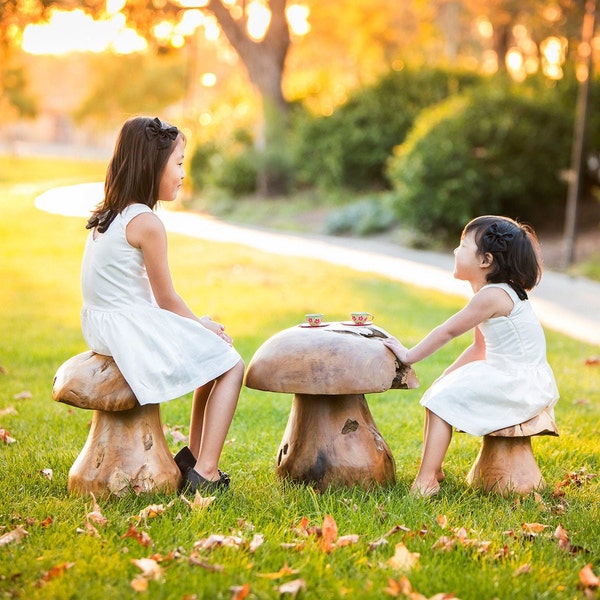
<point x="567" y="304"/>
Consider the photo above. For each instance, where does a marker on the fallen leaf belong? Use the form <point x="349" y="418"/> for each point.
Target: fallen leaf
<point x="178" y="436"/>
<point x="442" y="521"/>
<point x="329" y="533"/>
<point x="292" y="587"/>
<point x="153" y="510"/>
<point x="239" y="592"/>
<point x="445" y="543"/>
<point x="141" y="537"/>
<point x="215" y="540"/>
<point x="592" y="360"/>
<point x="16" y="535"/>
<point x="89" y="530"/>
<point x="150" y="569"/>
<point x="46" y="522"/>
<point x="398" y="587"/>
<point x="199" y="502"/>
<point x="587" y="577"/>
<point x="24" y="395"/>
<point x="302" y="527"/>
<point x="198" y="561"/>
<point x="526" y="568"/>
<point x="403" y="559"/>
<point x="533" y="528"/>
<point x="57" y="571"/>
<point x="139" y="584"/>
<point x="346" y="540"/>
<point x="9" y="410"/>
<point x="47" y="473"/>
<point x="257" y="541"/>
<point x="5" y="437"/>
<point x="96" y="515"/>
<point x="283" y="572"/>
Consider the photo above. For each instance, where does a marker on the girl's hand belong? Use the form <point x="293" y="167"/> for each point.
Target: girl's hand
<point x="397" y="348"/>
<point x="216" y="328"/>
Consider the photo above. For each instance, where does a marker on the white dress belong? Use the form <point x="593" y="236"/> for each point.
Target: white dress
<point x="161" y="355"/>
<point x="513" y="384"/>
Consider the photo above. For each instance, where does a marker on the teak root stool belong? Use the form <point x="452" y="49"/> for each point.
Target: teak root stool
<point x="506" y="464"/>
<point x="331" y="437"/>
<point x="126" y="448"/>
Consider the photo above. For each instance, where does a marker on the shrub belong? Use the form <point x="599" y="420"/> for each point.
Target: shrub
<point x="350" y="147"/>
<point x="486" y="151"/>
<point x="371" y="214"/>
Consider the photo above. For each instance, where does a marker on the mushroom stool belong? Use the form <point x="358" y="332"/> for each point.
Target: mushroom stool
<point x="331" y="437"/>
<point x="126" y="448"/>
<point x="506" y="464"/>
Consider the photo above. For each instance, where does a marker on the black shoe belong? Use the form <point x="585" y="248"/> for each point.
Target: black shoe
<point x="194" y="482"/>
<point x="186" y="460"/>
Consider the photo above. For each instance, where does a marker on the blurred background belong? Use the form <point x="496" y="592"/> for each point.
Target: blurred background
<point x="423" y="112"/>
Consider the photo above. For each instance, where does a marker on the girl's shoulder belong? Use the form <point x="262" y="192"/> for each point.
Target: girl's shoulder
<point x="503" y="286"/>
<point x="133" y="210"/>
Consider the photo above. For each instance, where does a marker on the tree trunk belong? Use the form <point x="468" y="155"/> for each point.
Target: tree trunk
<point x="264" y="62"/>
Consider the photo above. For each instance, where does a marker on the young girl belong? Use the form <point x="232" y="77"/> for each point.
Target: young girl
<point x="132" y="312"/>
<point x="503" y="378"/>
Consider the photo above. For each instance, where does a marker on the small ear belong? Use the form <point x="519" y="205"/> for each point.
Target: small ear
<point x="487" y="259"/>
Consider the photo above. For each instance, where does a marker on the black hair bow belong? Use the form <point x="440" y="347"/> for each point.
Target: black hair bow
<point x="496" y="240"/>
<point x="157" y="129"/>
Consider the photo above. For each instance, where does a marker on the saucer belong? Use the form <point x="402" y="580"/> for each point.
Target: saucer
<point x="353" y="324"/>
<point x="309" y="326"/>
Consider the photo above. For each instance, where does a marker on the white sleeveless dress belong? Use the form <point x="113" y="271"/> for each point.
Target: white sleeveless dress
<point x="513" y="384"/>
<point x="161" y="355"/>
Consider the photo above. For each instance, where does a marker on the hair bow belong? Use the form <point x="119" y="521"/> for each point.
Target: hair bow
<point x="165" y="135"/>
<point x="495" y="240"/>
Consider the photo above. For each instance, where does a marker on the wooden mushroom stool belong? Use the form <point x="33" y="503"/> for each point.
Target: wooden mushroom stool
<point x="126" y="448"/>
<point x="331" y="437"/>
<point x="506" y="464"/>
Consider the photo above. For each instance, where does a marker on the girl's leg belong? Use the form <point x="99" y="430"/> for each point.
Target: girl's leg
<point x="440" y="476"/>
<point x="438" y="434"/>
<point x="212" y="412"/>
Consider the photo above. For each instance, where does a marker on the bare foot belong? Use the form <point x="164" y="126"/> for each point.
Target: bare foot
<point x="440" y="476"/>
<point x="424" y="489"/>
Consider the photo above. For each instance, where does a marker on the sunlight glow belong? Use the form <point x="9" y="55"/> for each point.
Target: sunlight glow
<point x="259" y="17"/>
<point x="297" y="17"/>
<point x="75" y="31"/>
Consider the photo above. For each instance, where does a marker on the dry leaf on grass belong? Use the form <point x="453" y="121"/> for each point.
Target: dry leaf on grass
<point x="14" y="536"/>
<point x="6" y="437"/>
<point x="96" y="515"/>
<point x="9" y="410"/>
<point x="199" y="502"/>
<point x="592" y="360"/>
<point x="283" y="572"/>
<point x="292" y="587"/>
<point x="141" y="537"/>
<point x="56" y="571"/>
<point x="403" y="559"/>
<point x="239" y="592"/>
<point x="587" y="577"/>
<point x="329" y="533"/>
<point x="47" y="473"/>
<point x="24" y="395"/>
<point x="149" y="567"/>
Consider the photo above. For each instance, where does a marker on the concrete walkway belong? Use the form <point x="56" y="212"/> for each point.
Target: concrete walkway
<point x="567" y="304"/>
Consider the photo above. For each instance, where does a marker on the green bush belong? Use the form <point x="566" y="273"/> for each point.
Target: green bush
<point x="369" y="215"/>
<point x="490" y="150"/>
<point x="231" y="167"/>
<point x="350" y="147"/>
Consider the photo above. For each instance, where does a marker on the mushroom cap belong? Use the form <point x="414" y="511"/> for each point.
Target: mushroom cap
<point x="330" y="360"/>
<point x="92" y="381"/>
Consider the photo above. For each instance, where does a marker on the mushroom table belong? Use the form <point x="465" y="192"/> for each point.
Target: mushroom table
<point x="331" y="437"/>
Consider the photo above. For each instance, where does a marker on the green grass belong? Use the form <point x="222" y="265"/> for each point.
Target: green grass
<point x="256" y="295"/>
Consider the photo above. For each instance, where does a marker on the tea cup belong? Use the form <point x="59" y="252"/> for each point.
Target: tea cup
<point x="360" y="318"/>
<point x="314" y="319"/>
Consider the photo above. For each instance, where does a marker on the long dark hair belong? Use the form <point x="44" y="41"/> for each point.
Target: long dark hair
<point x="514" y="247"/>
<point x="142" y="150"/>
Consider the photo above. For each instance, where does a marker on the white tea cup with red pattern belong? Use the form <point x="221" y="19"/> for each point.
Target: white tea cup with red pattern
<point x="360" y="318"/>
<point x="314" y="319"/>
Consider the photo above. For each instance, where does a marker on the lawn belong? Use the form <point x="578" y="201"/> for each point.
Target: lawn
<point x="276" y="539"/>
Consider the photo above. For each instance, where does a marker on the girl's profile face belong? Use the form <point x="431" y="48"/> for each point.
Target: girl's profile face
<point x="173" y="173"/>
<point x="467" y="261"/>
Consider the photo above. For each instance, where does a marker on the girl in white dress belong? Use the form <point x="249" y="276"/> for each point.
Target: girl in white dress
<point x="503" y="378"/>
<point x="132" y="312"/>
